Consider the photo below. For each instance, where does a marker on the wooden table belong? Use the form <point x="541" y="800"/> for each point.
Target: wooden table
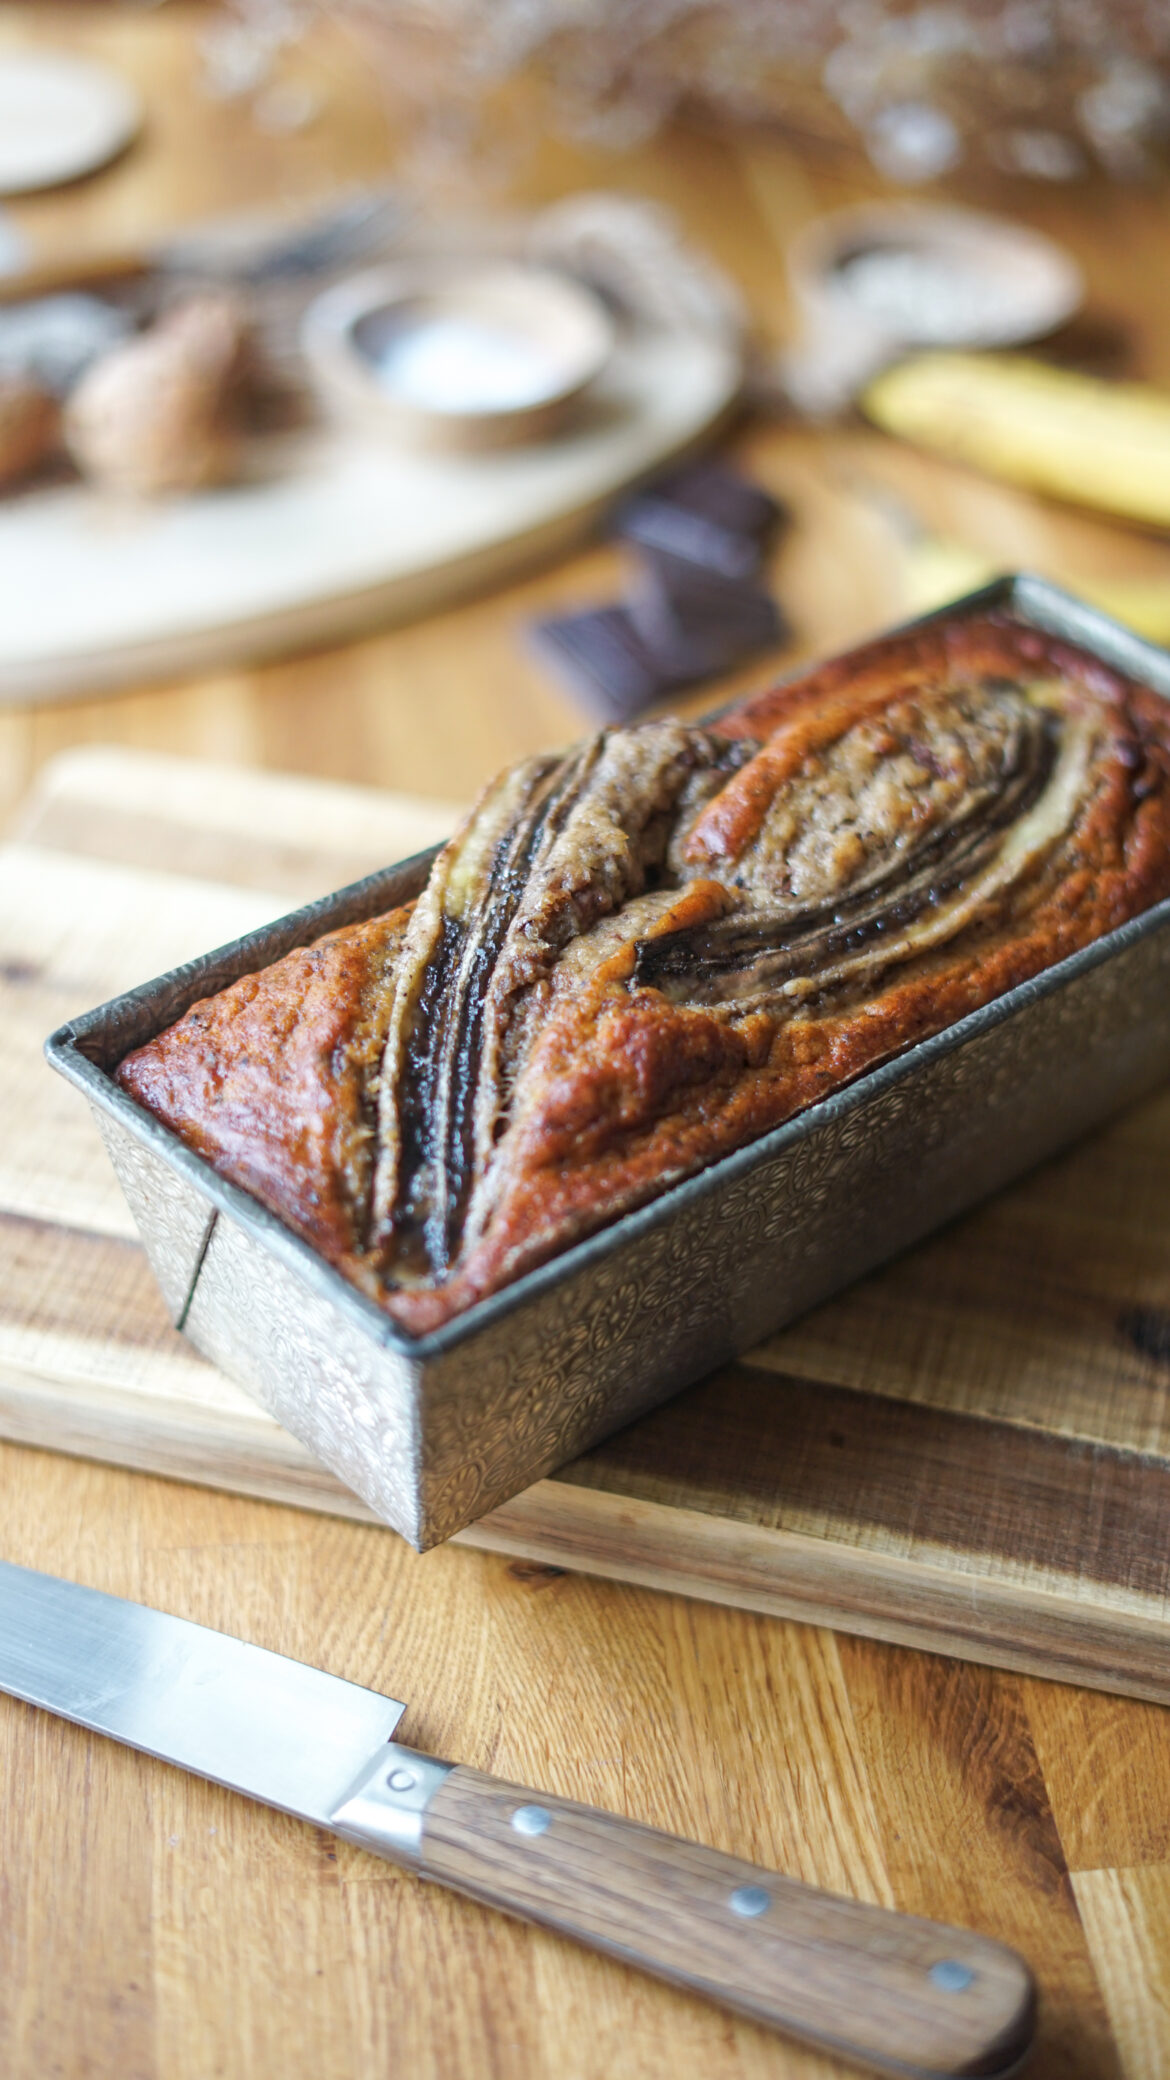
<point x="155" y="1928"/>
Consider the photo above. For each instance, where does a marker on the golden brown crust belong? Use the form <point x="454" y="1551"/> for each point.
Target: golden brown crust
<point x="639" y="958"/>
<point x="271" y="1079"/>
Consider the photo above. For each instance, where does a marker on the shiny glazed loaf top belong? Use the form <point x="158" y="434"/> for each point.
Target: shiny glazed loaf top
<point x="638" y="955"/>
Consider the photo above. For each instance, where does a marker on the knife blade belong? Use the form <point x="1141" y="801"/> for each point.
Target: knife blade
<point x="903" y="1995"/>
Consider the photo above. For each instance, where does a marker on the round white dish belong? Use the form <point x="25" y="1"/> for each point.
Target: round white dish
<point x="60" y="117"/>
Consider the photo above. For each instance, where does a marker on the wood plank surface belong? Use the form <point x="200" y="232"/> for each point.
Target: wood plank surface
<point x="969" y="1451"/>
<point x="436" y="706"/>
<point x="154" y="1927"/>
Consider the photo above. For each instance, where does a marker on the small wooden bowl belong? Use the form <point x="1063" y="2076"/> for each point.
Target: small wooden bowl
<point x="454" y="354"/>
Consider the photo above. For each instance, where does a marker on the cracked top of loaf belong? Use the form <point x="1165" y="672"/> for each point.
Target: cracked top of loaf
<point x="643" y="952"/>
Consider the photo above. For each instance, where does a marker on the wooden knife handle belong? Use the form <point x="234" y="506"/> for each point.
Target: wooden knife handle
<point x="901" y="1994"/>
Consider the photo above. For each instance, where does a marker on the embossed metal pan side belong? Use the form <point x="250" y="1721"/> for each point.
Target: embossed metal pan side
<point x="433" y="1432"/>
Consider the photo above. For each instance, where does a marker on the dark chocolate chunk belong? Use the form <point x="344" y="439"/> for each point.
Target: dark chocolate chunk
<point x="607" y="665"/>
<point x="616" y="664"/>
<point x="698" y="623"/>
<point x="722" y="496"/>
<point x="695" y="611"/>
<point x="705" y="514"/>
<point x="656" y="524"/>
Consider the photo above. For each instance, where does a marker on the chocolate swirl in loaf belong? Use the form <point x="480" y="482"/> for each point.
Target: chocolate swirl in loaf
<point x="635" y="957"/>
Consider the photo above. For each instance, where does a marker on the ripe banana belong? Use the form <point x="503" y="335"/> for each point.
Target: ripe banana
<point x="1100" y="444"/>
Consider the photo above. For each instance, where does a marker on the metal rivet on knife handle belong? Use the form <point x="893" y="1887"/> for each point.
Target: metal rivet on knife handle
<point x="383" y="1810"/>
<point x="531" y="1819"/>
<point x="952" y="1976"/>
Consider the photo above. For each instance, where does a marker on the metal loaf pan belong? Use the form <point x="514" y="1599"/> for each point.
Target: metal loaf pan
<point x="434" y="1432"/>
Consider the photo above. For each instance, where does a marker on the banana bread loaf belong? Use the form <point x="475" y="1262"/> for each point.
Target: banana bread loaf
<point x="637" y="955"/>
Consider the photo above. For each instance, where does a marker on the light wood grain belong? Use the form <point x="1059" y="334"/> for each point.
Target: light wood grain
<point x="837" y="1972"/>
<point x="909" y="1462"/>
<point x="758" y="1488"/>
<point x="1124" y="1913"/>
<point x="778" y="1483"/>
<point x="151" y="1925"/>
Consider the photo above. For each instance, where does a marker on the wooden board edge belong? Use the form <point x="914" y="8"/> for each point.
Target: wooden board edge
<point x="257" y="1459"/>
<point x="651" y="1545"/>
<point x="784" y="1574"/>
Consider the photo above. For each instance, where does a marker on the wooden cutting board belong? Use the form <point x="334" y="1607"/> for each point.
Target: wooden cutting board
<point x="331" y="531"/>
<point x="969" y="1451"/>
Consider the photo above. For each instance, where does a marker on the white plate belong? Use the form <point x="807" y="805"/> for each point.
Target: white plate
<point x="333" y="532"/>
<point x="60" y="117"/>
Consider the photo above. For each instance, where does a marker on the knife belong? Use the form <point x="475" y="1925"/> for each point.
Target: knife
<point x="900" y="1994"/>
<point x="249" y="249"/>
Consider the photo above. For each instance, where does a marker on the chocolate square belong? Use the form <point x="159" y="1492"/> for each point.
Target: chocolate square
<point x="697" y="623"/>
<point x="704" y="514"/>
<point x="603" y="660"/>
<point x="724" y="496"/>
<point x="618" y="660"/>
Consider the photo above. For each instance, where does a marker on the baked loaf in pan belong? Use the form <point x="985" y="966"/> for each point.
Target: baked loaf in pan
<point x="642" y="953"/>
